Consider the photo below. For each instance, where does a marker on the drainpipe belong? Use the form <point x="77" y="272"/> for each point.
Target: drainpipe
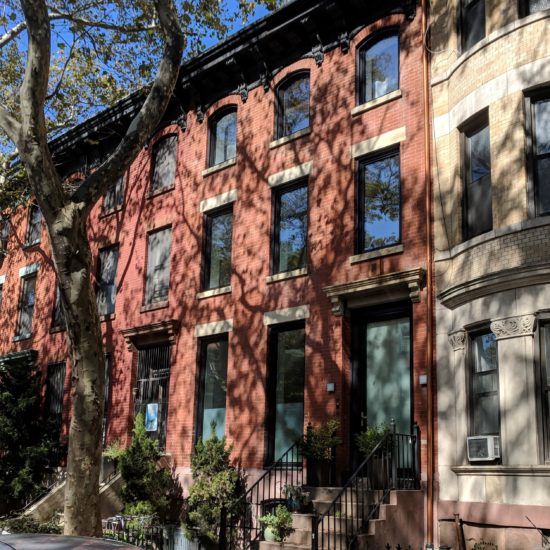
<point x="430" y="363"/>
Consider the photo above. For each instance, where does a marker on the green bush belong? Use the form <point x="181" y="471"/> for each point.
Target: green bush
<point x="368" y="439"/>
<point x="280" y="523"/>
<point x="319" y="441"/>
<point x="216" y="484"/>
<point x="27" y="524"/>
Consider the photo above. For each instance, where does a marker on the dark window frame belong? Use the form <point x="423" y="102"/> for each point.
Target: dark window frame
<point x="275" y="216"/>
<point x="59" y="323"/>
<point x="473" y="331"/>
<point x="473" y="125"/>
<point x="207" y="244"/>
<point x="279" y="102"/>
<point x="462" y="26"/>
<point x="24" y="280"/>
<point x="271" y="385"/>
<point x="368" y="43"/>
<point x="30" y="225"/>
<point x="200" y="380"/>
<point x="360" y="200"/>
<point x="155" y="303"/>
<point x="5" y="233"/>
<point x="153" y="192"/>
<point x="117" y="207"/>
<point x="107" y="396"/>
<point x="530" y="98"/>
<point x="212" y="126"/>
<point x="98" y="274"/>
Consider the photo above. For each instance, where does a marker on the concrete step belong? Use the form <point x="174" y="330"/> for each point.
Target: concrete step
<point x="337" y="524"/>
<point x="264" y="545"/>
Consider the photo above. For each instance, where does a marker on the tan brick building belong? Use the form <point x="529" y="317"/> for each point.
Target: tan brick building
<point x="491" y="118"/>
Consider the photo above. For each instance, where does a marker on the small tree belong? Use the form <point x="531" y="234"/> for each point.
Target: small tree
<point x="217" y="484"/>
<point x="27" y="441"/>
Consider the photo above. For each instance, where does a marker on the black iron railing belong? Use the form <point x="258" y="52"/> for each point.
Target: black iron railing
<point x="240" y="527"/>
<point x="392" y="464"/>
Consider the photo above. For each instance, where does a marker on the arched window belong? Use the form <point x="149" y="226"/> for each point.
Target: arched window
<point x="378" y="68"/>
<point x="164" y="163"/>
<point x="223" y="136"/>
<point x="293" y="105"/>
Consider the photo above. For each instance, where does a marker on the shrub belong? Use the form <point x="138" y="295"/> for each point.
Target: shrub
<point x="319" y="441"/>
<point x="280" y="523"/>
<point x="368" y="439"/>
<point x="27" y="524"/>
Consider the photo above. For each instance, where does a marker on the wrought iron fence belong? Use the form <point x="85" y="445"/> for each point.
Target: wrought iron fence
<point x="136" y="532"/>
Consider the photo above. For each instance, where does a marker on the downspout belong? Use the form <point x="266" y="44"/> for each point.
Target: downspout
<point x="430" y="363"/>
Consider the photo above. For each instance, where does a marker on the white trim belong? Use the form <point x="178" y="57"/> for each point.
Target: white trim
<point x="2" y="279"/>
<point x="216" y="327"/>
<point x="219" y="166"/>
<point x="379" y="142"/>
<point x="367" y="106"/>
<point x="214" y="292"/>
<point x="29" y="270"/>
<point x="285" y="315"/>
<point x="387" y="251"/>
<point x="286" y="275"/>
<point x="219" y="200"/>
<point x="290" y="174"/>
<point x="291" y="137"/>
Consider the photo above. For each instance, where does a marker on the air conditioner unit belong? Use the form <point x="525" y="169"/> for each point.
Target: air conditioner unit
<point x="483" y="448"/>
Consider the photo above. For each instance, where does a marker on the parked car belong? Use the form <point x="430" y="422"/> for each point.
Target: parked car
<point x="57" y="542"/>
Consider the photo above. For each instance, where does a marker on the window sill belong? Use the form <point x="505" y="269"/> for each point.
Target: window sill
<point x="22" y="337"/>
<point x="108" y="317"/>
<point x="154" y="306"/>
<point x="55" y="330"/>
<point x="153" y="194"/>
<point x="387" y="251"/>
<point x="288" y="139"/>
<point x="107" y="213"/>
<point x="537" y="470"/>
<point x="214" y="292"/>
<point x="396" y="94"/>
<point x="286" y="275"/>
<point x="218" y="167"/>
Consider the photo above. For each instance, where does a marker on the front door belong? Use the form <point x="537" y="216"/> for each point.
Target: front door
<point x="381" y="384"/>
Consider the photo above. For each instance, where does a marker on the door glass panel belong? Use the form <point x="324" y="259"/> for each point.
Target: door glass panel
<point x="289" y="389"/>
<point x="388" y="380"/>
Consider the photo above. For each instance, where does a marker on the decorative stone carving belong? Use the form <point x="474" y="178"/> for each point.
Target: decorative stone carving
<point x="200" y="114"/>
<point x="414" y="291"/>
<point x="457" y="339"/>
<point x="181" y="121"/>
<point x="243" y="92"/>
<point x="318" y="55"/>
<point x="344" y="40"/>
<point x="161" y="332"/>
<point x="338" y="307"/>
<point x="511" y="327"/>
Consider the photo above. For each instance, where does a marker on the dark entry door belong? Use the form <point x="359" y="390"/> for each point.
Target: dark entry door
<point x="153" y="377"/>
<point x="381" y="384"/>
<point x="54" y="400"/>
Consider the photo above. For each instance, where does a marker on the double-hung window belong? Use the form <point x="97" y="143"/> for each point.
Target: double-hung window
<point x="539" y="121"/>
<point x="528" y="7"/>
<point x="293" y="105"/>
<point x="34" y="227"/>
<point x="484" y="384"/>
<point x="219" y="228"/>
<point x="58" y="316"/>
<point x="164" y="164"/>
<point x="378" y="68"/>
<point x="106" y="280"/>
<point x="223" y="136"/>
<point x="158" y="266"/>
<point x="26" y="306"/>
<point x="290" y="228"/>
<point x="477" y="190"/>
<point x="5" y="228"/>
<point x="114" y="197"/>
<point x="379" y="202"/>
<point x="472" y="22"/>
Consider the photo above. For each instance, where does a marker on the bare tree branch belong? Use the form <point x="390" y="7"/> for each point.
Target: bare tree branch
<point x="10" y="125"/>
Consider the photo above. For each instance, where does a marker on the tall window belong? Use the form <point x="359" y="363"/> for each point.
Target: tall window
<point x="114" y="197"/>
<point x="290" y="231"/>
<point x="540" y="124"/>
<point x="212" y="387"/>
<point x="34" y="227"/>
<point x="378" y="68"/>
<point x="106" y="280"/>
<point x="219" y="226"/>
<point x="379" y="202"/>
<point x="26" y="307"/>
<point x="293" y="105"/>
<point x="58" y="316"/>
<point x="478" y="197"/>
<point x="472" y="23"/>
<point x="106" y="395"/>
<point x="158" y="266"/>
<point x="533" y="6"/>
<point x="55" y="386"/>
<point x="223" y="136"/>
<point x="5" y="228"/>
<point x="164" y="163"/>
<point x="286" y="384"/>
<point x="485" y="410"/>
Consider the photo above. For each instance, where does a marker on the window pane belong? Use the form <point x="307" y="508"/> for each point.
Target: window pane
<point x="542" y="126"/>
<point x="35" y="225"/>
<point x="294" y="104"/>
<point x="546" y="355"/>
<point x="538" y="5"/>
<point x="380" y="68"/>
<point x="224" y="136"/>
<point x="58" y="320"/>
<point x="292" y="229"/>
<point x="473" y="24"/>
<point x="114" y="196"/>
<point x="27" y="306"/>
<point x="158" y="266"/>
<point x="106" y="393"/>
<point x="219" y="254"/>
<point x="106" y="291"/>
<point x="480" y="154"/>
<point x="381" y="214"/>
<point x="543" y="185"/>
<point x="486" y="415"/>
<point x="215" y="388"/>
<point x="4" y="235"/>
<point x="164" y="163"/>
<point x="485" y="353"/>
<point x="289" y="389"/>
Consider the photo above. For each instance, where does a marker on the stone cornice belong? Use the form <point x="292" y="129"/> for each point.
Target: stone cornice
<point x="161" y="332"/>
<point x="412" y="280"/>
<point x="457" y="339"/>
<point x="512" y="327"/>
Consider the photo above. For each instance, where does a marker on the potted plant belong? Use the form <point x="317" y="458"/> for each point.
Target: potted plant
<point x="296" y="497"/>
<point x="317" y="449"/>
<point x="277" y="525"/>
<point x="366" y="442"/>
